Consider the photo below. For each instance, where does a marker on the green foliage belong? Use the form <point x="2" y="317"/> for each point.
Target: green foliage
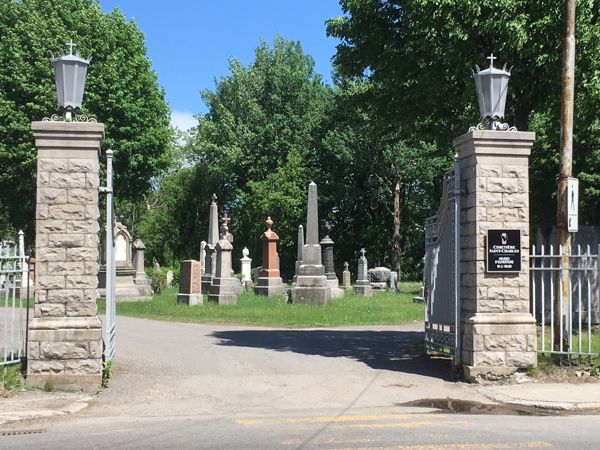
<point x="261" y="138"/>
<point x="176" y="275"/>
<point x="382" y="308"/>
<point x="121" y="91"/>
<point x="107" y="371"/>
<point x="11" y="379"/>
<point x="159" y="282"/>
<point x="418" y="54"/>
<point x="48" y="384"/>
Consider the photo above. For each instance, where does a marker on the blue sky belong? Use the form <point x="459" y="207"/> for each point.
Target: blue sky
<point x="189" y="41"/>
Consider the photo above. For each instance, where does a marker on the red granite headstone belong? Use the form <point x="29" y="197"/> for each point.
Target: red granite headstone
<point x="190" y="276"/>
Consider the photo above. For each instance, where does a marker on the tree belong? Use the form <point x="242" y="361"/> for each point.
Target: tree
<point x="262" y="134"/>
<point x="121" y="91"/>
<point x="417" y="54"/>
<point x="383" y="186"/>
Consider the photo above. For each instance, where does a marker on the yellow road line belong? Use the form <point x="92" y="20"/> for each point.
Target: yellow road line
<point x="508" y="445"/>
<point x="334" y="419"/>
<point x="400" y="424"/>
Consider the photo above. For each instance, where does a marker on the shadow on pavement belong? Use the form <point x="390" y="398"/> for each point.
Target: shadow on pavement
<point x="384" y="350"/>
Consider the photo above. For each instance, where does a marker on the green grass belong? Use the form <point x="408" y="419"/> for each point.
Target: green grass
<point x="11" y="379"/>
<point x="574" y="339"/>
<point x="382" y="308"/>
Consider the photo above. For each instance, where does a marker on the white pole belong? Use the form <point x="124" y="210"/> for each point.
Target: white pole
<point x="109" y="251"/>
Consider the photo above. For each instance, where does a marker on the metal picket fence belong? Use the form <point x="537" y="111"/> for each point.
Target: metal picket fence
<point x="14" y="290"/>
<point x="579" y="317"/>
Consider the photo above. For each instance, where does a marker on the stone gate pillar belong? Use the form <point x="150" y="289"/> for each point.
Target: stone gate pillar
<point x="498" y="333"/>
<point x="65" y="335"/>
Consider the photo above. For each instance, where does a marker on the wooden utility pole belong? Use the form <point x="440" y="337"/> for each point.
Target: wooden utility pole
<point x="563" y="237"/>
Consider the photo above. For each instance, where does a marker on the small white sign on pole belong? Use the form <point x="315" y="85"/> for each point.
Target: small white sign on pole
<point x="573" y="205"/>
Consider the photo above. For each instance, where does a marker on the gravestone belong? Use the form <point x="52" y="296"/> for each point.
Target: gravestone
<point x="362" y="286"/>
<point x="225" y="220"/>
<point x="327" y="249"/>
<point x="379" y="277"/>
<point x="311" y="283"/>
<point x="170" y="277"/>
<point x="126" y="288"/>
<point x="246" y="265"/>
<point x="190" y="283"/>
<point x="224" y="287"/>
<point x="269" y="282"/>
<point x="392" y="281"/>
<point x="210" y="260"/>
<point x="347" y="277"/>
<point x="299" y="254"/>
<point x="202" y="255"/>
<point x="257" y="274"/>
<point x="156" y="267"/>
<point x="141" y="279"/>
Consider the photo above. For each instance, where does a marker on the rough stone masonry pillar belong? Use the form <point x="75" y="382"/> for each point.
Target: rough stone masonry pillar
<point x="497" y="329"/>
<point x="65" y="335"/>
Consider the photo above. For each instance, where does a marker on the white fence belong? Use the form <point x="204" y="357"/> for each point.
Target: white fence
<point x="14" y="286"/>
<point x="577" y="272"/>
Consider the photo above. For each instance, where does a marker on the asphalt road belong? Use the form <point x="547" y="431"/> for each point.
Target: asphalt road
<point x="230" y="387"/>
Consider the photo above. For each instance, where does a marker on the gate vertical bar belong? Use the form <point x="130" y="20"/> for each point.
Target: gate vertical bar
<point x="456" y="262"/>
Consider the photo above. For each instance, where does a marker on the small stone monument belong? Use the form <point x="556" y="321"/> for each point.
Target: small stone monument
<point x="269" y="281"/>
<point x="362" y="286"/>
<point x="257" y="274"/>
<point x="211" y="256"/>
<point x="190" y="281"/>
<point x="392" y="281"/>
<point x="225" y="220"/>
<point x="246" y="265"/>
<point x="126" y="289"/>
<point x="202" y="255"/>
<point x="170" y="278"/>
<point x="347" y="277"/>
<point x="141" y="280"/>
<point x="311" y="283"/>
<point x="156" y="267"/>
<point x="224" y="287"/>
<point x="299" y="254"/>
<point x="327" y="249"/>
<point x="379" y="277"/>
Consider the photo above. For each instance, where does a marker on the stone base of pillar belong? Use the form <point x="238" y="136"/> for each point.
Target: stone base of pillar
<point x="65" y="351"/>
<point x="497" y="343"/>
<point x="311" y="291"/>
<point x="126" y="288"/>
<point x="363" y="288"/>
<point x="223" y="291"/>
<point x="190" y="299"/>
<point x="206" y="284"/>
<point x="334" y="285"/>
<point x="270" y="286"/>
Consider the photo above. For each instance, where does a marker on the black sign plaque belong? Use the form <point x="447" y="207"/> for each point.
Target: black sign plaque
<point x="503" y="251"/>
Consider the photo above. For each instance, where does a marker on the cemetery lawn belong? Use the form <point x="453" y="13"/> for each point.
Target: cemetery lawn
<point x="384" y="308"/>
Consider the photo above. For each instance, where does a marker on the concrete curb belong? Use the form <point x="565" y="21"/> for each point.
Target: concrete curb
<point x="545" y="405"/>
<point x="14" y="416"/>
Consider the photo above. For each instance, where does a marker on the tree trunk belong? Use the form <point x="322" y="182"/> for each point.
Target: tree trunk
<point x="396" y="250"/>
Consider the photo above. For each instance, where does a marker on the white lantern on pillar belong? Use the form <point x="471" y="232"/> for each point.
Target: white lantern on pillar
<point x="492" y="86"/>
<point x="70" y="71"/>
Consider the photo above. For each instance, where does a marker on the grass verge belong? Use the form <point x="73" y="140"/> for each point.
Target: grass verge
<point x="11" y="379"/>
<point x="383" y="308"/>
